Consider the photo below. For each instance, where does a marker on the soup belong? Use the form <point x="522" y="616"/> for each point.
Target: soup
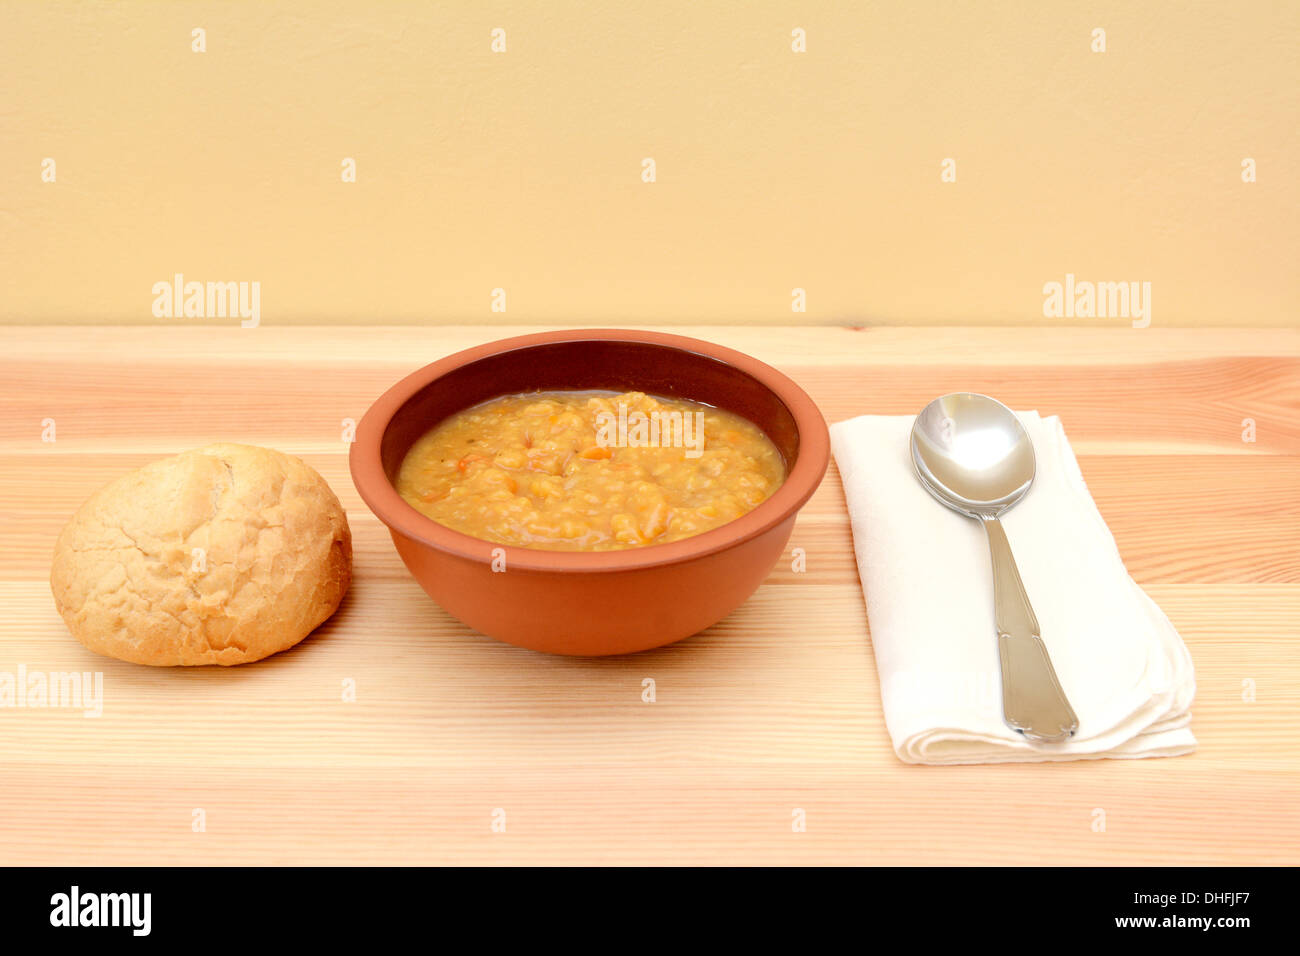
<point x="589" y="470"/>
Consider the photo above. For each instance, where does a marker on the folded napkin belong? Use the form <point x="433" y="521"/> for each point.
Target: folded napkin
<point x="929" y="589"/>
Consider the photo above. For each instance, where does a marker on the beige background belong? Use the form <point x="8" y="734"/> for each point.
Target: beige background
<point x="775" y="170"/>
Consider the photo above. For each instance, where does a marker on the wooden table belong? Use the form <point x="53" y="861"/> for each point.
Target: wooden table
<point x="774" y="709"/>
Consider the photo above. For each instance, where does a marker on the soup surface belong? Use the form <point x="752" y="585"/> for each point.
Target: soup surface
<point x="589" y="470"/>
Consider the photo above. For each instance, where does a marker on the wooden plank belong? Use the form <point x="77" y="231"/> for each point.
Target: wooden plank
<point x="105" y="405"/>
<point x="395" y="347"/>
<point x="776" y="708"/>
<point x="1175" y="518"/>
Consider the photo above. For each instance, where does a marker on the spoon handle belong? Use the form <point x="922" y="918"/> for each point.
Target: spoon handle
<point x="1032" y="700"/>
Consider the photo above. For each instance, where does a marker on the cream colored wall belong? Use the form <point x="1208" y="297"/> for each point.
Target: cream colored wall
<point x="522" y="170"/>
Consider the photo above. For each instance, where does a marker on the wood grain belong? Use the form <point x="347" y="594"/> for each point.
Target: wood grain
<point x="775" y="708"/>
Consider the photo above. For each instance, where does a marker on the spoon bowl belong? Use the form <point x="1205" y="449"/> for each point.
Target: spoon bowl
<point x="972" y="453"/>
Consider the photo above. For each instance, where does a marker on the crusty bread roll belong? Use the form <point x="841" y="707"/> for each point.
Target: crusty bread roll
<point x="221" y="555"/>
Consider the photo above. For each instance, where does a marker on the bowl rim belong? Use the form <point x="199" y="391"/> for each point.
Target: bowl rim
<point x="383" y="499"/>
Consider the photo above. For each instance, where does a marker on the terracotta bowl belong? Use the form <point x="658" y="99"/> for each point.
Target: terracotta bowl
<point x="611" y="602"/>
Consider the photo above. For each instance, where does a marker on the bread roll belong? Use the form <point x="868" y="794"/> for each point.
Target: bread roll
<point x="222" y="555"/>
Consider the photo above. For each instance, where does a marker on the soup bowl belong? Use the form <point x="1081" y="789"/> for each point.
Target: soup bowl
<point x="606" y="602"/>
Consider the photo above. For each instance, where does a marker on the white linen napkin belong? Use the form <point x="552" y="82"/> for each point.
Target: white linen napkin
<point x="929" y="588"/>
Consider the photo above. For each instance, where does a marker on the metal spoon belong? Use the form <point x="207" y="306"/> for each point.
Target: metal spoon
<point x="973" y="455"/>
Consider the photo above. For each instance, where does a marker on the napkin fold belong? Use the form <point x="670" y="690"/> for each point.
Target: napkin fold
<point x="928" y="582"/>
